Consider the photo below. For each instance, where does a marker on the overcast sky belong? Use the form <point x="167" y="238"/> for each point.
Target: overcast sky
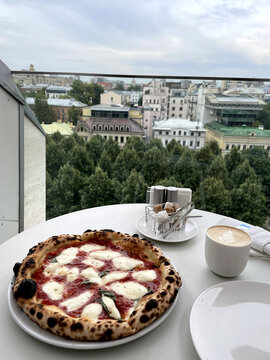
<point x="165" y="37"/>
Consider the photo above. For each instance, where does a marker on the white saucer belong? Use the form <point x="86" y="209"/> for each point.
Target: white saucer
<point x="231" y="321"/>
<point x="191" y="230"/>
<point x="34" y="330"/>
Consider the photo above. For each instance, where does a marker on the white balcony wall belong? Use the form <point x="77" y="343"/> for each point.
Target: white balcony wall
<point x="34" y="175"/>
<point x="9" y="166"/>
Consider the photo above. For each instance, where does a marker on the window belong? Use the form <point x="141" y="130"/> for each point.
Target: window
<point x="184" y="142"/>
<point x="160" y="132"/>
<point x="167" y="132"/>
<point x="181" y="108"/>
<point x="199" y="134"/>
<point x="173" y="101"/>
<point x="166" y="142"/>
<point x="116" y="138"/>
<point x="174" y="133"/>
<point x="173" y="108"/>
<point x="192" y="133"/>
<point x="191" y="143"/>
<point x="117" y="128"/>
<point x="149" y="101"/>
<point x="122" y="128"/>
<point x="185" y="133"/>
<point x="244" y="147"/>
<point x="238" y="147"/>
<point x="111" y="128"/>
<point x="99" y="127"/>
<point x="94" y="127"/>
<point x="81" y="128"/>
<point x="198" y="144"/>
<point x="179" y="132"/>
<point x="173" y="115"/>
<point x="227" y="146"/>
<point x="122" y="139"/>
<point x="127" y="128"/>
<point x="105" y="127"/>
<point x="105" y="137"/>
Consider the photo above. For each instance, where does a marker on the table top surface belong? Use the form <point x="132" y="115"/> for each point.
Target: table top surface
<point x="172" y="338"/>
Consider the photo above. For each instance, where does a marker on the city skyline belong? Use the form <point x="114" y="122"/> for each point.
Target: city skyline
<point x="210" y="38"/>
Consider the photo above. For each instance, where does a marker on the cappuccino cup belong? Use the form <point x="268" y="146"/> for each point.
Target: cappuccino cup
<point x="226" y="250"/>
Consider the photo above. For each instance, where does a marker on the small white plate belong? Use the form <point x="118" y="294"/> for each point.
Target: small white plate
<point x="43" y="335"/>
<point x="191" y="230"/>
<point x="231" y="320"/>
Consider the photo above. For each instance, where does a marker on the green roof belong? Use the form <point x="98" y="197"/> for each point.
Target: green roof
<point x="236" y="130"/>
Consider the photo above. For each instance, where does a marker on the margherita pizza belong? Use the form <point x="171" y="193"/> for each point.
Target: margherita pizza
<point x="102" y="285"/>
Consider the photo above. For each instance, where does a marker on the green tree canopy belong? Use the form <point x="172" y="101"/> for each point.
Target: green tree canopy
<point x="154" y="165"/>
<point x="218" y="170"/>
<point x="233" y="159"/>
<point x="73" y="114"/>
<point x="212" y="196"/>
<point x="264" y="117"/>
<point x="241" y="173"/>
<point x="124" y="163"/>
<point x="82" y="92"/>
<point x="64" y="191"/>
<point x="97" y="191"/>
<point x="134" y="188"/>
<point x="248" y="203"/>
<point x="95" y="147"/>
<point x="81" y="160"/>
<point x="44" y="112"/>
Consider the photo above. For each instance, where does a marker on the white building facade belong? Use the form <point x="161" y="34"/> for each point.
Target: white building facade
<point x="185" y="132"/>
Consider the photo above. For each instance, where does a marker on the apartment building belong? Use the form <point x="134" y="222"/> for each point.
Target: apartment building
<point x="185" y="132"/>
<point x="241" y="137"/>
<point x="60" y="106"/>
<point x="108" y="121"/>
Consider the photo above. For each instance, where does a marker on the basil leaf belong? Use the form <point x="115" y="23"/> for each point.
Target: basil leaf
<point x="107" y="293"/>
<point x="103" y="273"/>
<point x="105" y="307"/>
<point x="87" y="282"/>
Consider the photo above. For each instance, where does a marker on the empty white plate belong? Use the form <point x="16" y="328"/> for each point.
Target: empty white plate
<point x="231" y="320"/>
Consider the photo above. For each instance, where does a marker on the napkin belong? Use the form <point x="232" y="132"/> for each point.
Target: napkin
<point x="260" y="237"/>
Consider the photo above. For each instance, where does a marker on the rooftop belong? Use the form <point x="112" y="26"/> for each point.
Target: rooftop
<point x="58" y="102"/>
<point x="236" y="130"/>
<point x="177" y="123"/>
<point x="64" y="128"/>
<point x="233" y="99"/>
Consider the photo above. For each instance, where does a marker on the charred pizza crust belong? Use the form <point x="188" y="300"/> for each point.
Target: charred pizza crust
<point x="52" y="318"/>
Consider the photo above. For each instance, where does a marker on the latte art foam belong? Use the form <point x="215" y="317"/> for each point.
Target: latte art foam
<point x="227" y="235"/>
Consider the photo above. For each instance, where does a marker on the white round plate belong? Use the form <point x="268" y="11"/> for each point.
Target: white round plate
<point x="191" y="230"/>
<point x="231" y="320"/>
<point x="43" y="335"/>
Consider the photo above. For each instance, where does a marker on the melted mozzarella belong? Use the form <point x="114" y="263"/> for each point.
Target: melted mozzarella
<point x="78" y="301"/>
<point x="92" y="311"/>
<point x="112" y="309"/>
<point x="50" y="269"/>
<point x="91" y="247"/>
<point x="115" y="275"/>
<point x="144" y="275"/>
<point x="67" y="256"/>
<point x="70" y="274"/>
<point x="53" y="289"/>
<point x="93" y="262"/>
<point x="92" y="275"/>
<point x="131" y="290"/>
<point x="126" y="263"/>
<point x="104" y="254"/>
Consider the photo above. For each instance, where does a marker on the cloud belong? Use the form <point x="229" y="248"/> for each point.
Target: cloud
<point x="173" y="37"/>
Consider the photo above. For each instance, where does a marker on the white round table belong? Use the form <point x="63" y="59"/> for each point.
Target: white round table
<point x="170" y="340"/>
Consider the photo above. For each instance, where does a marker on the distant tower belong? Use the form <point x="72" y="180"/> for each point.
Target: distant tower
<point x="31" y="67"/>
